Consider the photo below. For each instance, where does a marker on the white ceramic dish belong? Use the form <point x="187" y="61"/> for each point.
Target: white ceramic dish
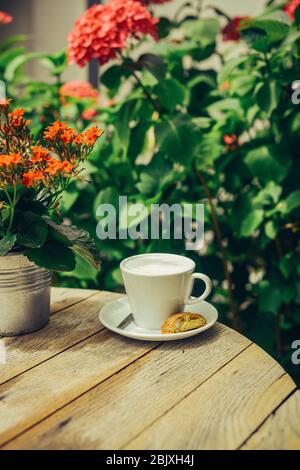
<point x="114" y="313"/>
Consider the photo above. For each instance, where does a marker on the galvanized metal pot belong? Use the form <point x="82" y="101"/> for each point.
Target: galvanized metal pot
<point x="24" y="295"/>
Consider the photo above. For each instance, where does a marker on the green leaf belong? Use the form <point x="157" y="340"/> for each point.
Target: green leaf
<point x="202" y="78"/>
<point x="286" y="265"/>
<point x="292" y="202"/>
<point x="12" y="41"/>
<point x="179" y="138"/>
<point x="158" y="175"/>
<point x="270" y="298"/>
<point x="112" y="77"/>
<point x="77" y="239"/>
<point x="269" y="195"/>
<point x="88" y="251"/>
<point x="148" y="184"/>
<point x="32" y="230"/>
<point x="7" y="243"/>
<point x="52" y="256"/>
<point x="230" y="66"/>
<point x="170" y="52"/>
<point x="11" y="55"/>
<point x="292" y="37"/>
<point x="56" y="63"/>
<point x="275" y="29"/>
<point x="19" y="62"/>
<point x="167" y="138"/>
<point x="170" y="93"/>
<point x="5" y="213"/>
<point x="268" y="96"/>
<point x="154" y="64"/>
<point x="271" y="229"/>
<point x="257" y="39"/>
<point x="251" y="222"/>
<point x="125" y="116"/>
<point x="210" y="148"/>
<point x="69" y="198"/>
<point x="203" y="31"/>
<point x="164" y="27"/>
<point x="108" y="195"/>
<point x="83" y="271"/>
<point x="268" y="163"/>
<point x="221" y="108"/>
<point x="137" y="140"/>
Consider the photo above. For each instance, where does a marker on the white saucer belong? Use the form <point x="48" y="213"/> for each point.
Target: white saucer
<point x="114" y="313"/>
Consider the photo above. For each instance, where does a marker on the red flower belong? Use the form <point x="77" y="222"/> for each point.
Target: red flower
<point x="231" y="32"/>
<point x="291" y="7"/>
<point x="89" y="114"/>
<point x="230" y="140"/>
<point x="5" y="18"/>
<point x="101" y="32"/>
<point x="78" y="89"/>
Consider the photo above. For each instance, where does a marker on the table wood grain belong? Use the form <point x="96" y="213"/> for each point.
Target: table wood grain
<point x="76" y="385"/>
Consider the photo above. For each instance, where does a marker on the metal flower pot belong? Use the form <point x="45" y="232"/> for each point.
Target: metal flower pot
<point x="24" y="295"/>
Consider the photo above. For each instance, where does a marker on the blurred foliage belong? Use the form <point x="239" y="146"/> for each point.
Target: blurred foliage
<point x="178" y="130"/>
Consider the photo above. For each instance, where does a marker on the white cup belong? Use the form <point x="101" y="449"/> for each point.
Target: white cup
<point x="159" y="285"/>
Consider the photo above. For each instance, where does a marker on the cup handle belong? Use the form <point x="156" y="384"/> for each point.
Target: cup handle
<point x="208" y="288"/>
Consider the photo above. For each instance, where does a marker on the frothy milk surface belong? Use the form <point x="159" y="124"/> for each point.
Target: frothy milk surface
<point x="157" y="266"/>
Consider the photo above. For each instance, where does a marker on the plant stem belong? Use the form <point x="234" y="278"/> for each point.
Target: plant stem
<point x="181" y="9"/>
<point x="144" y="89"/>
<point x="218" y="233"/>
<point x="146" y="92"/>
<point x="12" y="202"/>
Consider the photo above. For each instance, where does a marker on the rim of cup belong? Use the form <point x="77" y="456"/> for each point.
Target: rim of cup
<point x="185" y="269"/>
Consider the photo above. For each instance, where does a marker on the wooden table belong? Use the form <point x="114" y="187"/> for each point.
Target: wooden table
<point x="76" y="385"/>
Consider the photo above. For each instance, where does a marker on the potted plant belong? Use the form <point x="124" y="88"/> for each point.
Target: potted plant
<point x="33" y="241"/>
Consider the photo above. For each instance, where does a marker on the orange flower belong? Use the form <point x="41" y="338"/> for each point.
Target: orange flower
<point x="12" y="159"/>
<point x="79" y="139"/>
<point x="33" y="178"/>
<point x="40" y="154"/>
<point x="67" y="136"/>
<point x="91" y="135"/>
<point x="55" y="166"/>
<point x="66" y="167"/>
<point x="59" y="131"/>
<point x="16" y="117"/>
<point x="53" y="131"/>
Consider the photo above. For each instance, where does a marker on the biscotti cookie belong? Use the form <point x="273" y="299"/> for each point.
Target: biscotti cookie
<point x="181" y="322"/>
